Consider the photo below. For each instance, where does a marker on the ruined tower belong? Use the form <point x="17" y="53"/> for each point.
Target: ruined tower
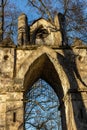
<point x="42" y="31"/>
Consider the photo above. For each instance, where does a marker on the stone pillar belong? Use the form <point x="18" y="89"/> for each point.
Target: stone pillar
<point x="23" y="30"/>
<point x="75" y="103"/>
<point x="62" y="21"/>
<point x="56" y="22"/>
<point x="59" y="21"/>
<point x="69" y="114"/>
<point x="57" y="33"/>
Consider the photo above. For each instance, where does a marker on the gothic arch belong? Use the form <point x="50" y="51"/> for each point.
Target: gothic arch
<point x="43" y="63"/>
<point x="43" y="68"/>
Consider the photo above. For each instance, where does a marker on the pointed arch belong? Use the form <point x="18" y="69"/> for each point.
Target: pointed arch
<point x="43" y="63"/>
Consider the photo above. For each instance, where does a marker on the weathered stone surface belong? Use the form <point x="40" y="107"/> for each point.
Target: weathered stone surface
<point x="11" y="111"/>
<point x="64" y="69"/>
<point x="45" y="33"/>
<point x="2" y="111"/>
<point x="23" y="36"/>
<point x="6" y="62"/>
<point x="14" y="111"/>
<point x="7" y="42"/>
<point x="42" y="31"/>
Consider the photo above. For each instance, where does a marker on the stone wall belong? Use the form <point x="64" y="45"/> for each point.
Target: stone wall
<point x="42" y="52"/>
<point x="64" y="68"/>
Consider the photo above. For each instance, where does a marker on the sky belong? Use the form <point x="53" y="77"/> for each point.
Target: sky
<point x="29" y="11"/>
<point x="22" y="6"/>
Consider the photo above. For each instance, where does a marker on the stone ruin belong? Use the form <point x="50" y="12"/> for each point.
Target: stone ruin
<point x="42" y="31"/>
<point x="39" y="55"/>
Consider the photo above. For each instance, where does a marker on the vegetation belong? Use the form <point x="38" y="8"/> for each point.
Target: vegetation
<point x="8" y="20"/>
<point x="41" y="108"/>
<point x="75" y="13"/>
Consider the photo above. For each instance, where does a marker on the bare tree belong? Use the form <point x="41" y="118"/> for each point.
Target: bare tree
<point x="41" y="108"/>
<point x="8" y="19"/>
<point x="76" y="19"/>
<point x="75" y="13"/>
<point x="2" y="5"/>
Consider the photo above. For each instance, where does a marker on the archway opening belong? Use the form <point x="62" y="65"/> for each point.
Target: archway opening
<point x="42" y="108"/>
<point x="43" y="67"/>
